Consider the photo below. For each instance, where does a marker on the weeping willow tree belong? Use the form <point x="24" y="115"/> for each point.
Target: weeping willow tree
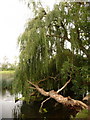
<point x="55" y="45"/>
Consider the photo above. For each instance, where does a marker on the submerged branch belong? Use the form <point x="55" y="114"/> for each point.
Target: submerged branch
<point x="43" y="103"/>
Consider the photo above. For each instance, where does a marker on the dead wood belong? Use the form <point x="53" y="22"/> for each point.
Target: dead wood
<point x="75" y="105"/>
<point x="57" y="92"/>
<point x="64" y="86"/>
<point x="43" y="92"/>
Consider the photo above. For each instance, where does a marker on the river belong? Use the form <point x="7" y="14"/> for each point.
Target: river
<point x="8" y="105"/>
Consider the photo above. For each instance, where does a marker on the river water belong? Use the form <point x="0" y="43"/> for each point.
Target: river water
<point x="8" y="105"/>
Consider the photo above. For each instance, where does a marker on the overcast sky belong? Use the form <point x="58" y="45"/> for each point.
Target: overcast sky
<point x="13" y="16"/>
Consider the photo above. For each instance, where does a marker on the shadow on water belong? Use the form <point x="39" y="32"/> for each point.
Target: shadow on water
<point x="31" y="111"/>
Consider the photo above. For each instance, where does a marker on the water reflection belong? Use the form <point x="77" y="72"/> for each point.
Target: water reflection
<point x="17" y="109"/>
<point x="11" y="109"/>
<point x="26" y="111"/>
<point x="7" y="104"/>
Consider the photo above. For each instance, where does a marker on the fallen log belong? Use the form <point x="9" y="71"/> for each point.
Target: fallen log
<point x="70" y="103"/>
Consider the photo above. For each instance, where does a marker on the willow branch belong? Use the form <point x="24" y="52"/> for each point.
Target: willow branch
<point x="48" y="78"/>
<point x="32" y="94"/>
<point x="32" y="87"/>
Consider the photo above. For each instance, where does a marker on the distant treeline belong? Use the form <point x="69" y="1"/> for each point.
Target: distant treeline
<point x="6" y="65"/>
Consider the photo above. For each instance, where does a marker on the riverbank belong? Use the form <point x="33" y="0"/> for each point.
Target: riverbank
<point x="7" y="72"/>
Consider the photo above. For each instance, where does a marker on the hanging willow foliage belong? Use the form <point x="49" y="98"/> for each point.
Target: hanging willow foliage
<point x="42" y="46"/>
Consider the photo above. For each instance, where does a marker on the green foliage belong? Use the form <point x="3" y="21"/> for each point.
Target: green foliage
<point x="83" y="114"/>
<point x="43" y="110"/>
<point x="44" y="51"/>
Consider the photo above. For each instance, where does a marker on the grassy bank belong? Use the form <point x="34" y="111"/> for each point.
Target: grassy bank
<point x="7" y="72"/>
<point x="6" y="75"/>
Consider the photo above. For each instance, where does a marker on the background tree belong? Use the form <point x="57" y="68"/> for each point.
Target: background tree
<point x="4" y="65"/>
<point x="45" y="57"/>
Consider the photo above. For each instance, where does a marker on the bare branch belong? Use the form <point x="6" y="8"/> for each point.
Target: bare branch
<point x="48" y="78"/>
<point x="43" y="92"/>
<point x="32" y="87"/>
<point x="32" y="94"/>
<point x="44" y="102"/>
<point x="64" y="86"/>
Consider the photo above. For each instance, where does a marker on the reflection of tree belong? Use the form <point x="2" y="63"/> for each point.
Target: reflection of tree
<point x="26" y="110"/>
<point x="17" y="110"/>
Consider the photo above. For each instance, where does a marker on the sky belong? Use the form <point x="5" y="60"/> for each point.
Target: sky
<point x="13" y="16"/>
